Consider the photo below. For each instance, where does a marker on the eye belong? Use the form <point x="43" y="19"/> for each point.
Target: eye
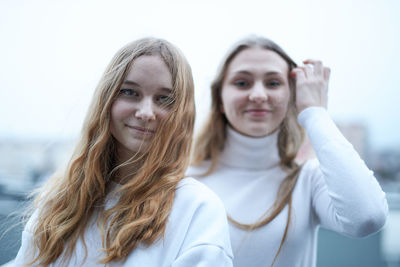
<point x="129" y="92"/>
<point x="165" y="100"/>
<point x="273" y="83"/>
<point x="241" y="83"/>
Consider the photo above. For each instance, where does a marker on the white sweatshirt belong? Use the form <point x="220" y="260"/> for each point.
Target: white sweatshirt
<point x="337" y="192"/>
<point x="196" y="235"/>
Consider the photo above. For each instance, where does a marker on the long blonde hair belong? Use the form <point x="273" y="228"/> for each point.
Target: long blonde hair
<point x="211" y="140"/>
<point x="67" y="202"/>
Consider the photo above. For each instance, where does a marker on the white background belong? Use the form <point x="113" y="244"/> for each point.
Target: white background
<point x="52" y="54"/>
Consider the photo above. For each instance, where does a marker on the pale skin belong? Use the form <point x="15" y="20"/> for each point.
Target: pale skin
<point x="139" y="109"/>
<point x="255" y="91"/>
<point x="311" y="85"/>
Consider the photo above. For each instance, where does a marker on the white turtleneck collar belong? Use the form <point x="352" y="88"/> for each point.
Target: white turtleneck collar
<point x="242" y="151"/>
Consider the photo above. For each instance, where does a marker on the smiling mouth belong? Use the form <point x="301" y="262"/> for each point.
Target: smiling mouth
<point x="258" y="112"/>
<point x="142" y="130"/>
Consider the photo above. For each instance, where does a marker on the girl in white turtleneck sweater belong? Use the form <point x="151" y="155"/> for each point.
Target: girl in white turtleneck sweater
<point x="246" y="154"/>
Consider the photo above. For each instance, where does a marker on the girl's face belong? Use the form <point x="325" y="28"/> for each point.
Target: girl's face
<point x="143" y="101"/>
<point x="255" y="92"/>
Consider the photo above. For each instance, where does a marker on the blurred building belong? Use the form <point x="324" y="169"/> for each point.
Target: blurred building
<point x="24" y="163"/>
<point x="355" y="133"/>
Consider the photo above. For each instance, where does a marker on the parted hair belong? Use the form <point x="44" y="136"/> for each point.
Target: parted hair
<point x="67" y="202"/>
<point x="211" y="139"/>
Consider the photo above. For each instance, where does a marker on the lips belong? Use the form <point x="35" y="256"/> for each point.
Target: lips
<point x="141" y="130"/>
<point x="257" y="112"/>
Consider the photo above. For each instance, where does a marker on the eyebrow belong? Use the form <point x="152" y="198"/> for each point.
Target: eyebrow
<point x="268" y="73"/>
<point x="129" y="82"/>
<point x="168" y="90"/>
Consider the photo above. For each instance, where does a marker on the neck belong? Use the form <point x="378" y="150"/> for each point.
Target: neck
<point x="242" y="151"/>
<point x="128" y="166"/>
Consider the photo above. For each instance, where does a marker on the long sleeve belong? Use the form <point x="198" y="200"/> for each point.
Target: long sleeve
<point x="206" y="240"/>
<point x="346" y="196"/>
<point x="25" y="251"/>
<point x="23" y="255"/>
<point x="204" y="256"/>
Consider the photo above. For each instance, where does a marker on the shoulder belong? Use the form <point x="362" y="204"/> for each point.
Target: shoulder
<point x="193" y="197"/>
<point x="198" y="219"/>
<point x="32" y="221"/>
<point x="198" y="170"/>
<point x="310" y="166"/>
<point x="196" y="206"/>
<point x="310" y="173"/>
<point x="189" y="189"/>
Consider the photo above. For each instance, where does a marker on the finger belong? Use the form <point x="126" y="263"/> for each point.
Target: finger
<point x="317" y="64"/>
<point x="308" y="70"/>
<point x="327" y="73"/>
<point x="299" y="74"/>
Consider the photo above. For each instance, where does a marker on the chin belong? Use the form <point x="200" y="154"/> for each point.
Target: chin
<point x="259" y="135"/>
<point x="256" y="131"/>
<point x="137" y="147"/>
<point x="259" y="132"/>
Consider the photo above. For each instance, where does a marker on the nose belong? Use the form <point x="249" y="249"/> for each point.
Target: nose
<point x="258" y="93"/>
<point x="145" y="110"/>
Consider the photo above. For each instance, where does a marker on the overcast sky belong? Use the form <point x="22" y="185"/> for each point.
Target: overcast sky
<point x="52" y="53"/>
